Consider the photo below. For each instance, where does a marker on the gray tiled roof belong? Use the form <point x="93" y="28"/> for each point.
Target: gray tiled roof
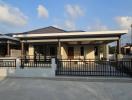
<point x="49" y="29"/>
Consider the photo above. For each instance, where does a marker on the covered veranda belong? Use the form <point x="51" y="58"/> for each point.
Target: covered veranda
<point x="95" y="47"/>
<point x="6" y="44"/>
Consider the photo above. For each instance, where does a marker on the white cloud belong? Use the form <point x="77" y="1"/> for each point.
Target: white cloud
<point x="74" y="11"/>
<point x="97" y="26"/>
<point x="67" y="24"/>
<point x="124" y="21"/>
<point x="70" y="25"/>
<point x="11" y="15"/>
<point x="42" y="11"/>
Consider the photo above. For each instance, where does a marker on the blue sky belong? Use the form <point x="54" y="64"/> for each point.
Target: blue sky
<point x="89" y="15"/>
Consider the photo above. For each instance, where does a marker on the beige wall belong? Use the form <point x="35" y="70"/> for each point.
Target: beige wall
<point x="64" y="52"/>
<point x="15" y="53"/>
<point x="88" y="52"/>
<point x="31" y="51"/>
<point x="76" y="52"/>
<point x="100" y="52"/>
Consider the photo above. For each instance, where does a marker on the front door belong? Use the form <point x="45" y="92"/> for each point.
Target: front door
<point x="70" y="53"/>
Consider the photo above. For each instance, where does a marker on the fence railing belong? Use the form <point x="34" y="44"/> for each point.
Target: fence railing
<point x="94" y="68"/>
<point x="7" y="62"/>
<point x="37" y="57"/>
<point x="29" y="63"/>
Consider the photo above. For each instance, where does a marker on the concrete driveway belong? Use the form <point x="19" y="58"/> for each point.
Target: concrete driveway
<point x="43" y="89"/>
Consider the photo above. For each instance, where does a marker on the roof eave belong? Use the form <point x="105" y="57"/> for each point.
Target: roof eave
<point x="120" y="32"/>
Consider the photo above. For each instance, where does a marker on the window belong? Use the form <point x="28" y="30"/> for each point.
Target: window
<point x="82" y="51"/>
<point x="96" y="51"/>
<point x="52" y="51"/>
<point x="71" y="52"/>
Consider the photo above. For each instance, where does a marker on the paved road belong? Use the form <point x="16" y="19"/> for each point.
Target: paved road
<point x="41" y="89"/>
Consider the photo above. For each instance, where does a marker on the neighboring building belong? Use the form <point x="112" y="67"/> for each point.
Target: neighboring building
<point x="8" y="44"/>
<point x="127" y="49"/>
<point x="53" y="42"/>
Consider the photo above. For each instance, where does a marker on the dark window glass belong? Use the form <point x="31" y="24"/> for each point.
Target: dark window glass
<point x="96" y="51"/>
<point x="52" y="51"/>
<point x="82" y="51"/>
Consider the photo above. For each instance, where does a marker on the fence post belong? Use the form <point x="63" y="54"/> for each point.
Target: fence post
<point x="18" y="63"/>
<point x="53" y="64"/>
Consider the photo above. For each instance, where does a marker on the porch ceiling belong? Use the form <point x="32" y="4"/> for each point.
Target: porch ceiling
<point x="91" y="42"/>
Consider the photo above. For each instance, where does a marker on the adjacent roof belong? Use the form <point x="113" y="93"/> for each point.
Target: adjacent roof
<point x="8" y="37"/>
<point x="127" y="45"/>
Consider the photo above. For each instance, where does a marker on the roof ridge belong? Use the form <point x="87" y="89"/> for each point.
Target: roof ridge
<point x="58" y="28"/>
<point x="45" y="28"/>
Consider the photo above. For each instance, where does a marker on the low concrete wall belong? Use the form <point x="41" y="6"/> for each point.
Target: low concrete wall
<point x="28" y="72"/>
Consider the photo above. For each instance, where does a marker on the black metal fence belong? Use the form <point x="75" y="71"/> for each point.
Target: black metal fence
<point x="94" y="68"/>
<point x="8" y="63"/>
<point x="29" y="63"/>
<point x="77" y="67"/>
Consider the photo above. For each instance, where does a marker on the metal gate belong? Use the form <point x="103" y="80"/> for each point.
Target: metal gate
<point x="94" y="68"/>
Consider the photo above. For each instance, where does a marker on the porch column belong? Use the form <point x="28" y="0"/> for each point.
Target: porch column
<point x="22" y="49"/>
<point x="8" y="48"/>
<point x="106" y="51"/>
<point x="118" y="49"/>
<point x="59" y="50"/>
<point x="31" y="51"/>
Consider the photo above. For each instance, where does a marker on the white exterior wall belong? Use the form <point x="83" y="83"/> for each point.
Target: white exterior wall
<point x="27" y="72"/>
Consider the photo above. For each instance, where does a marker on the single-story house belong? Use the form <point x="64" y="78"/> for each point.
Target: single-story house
<point x="50" y="42"/>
